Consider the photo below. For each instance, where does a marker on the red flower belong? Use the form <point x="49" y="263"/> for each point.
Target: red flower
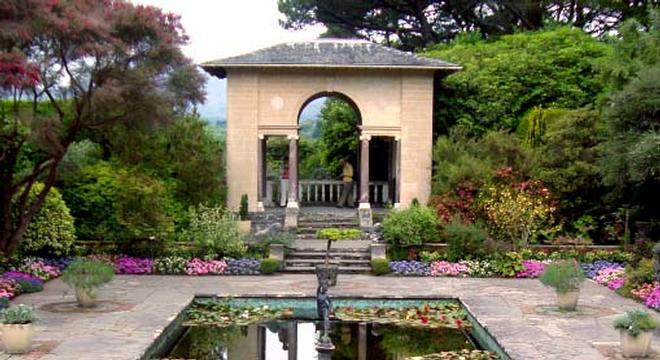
<point x="424" y="320"/>
<point x="458" y="323"/>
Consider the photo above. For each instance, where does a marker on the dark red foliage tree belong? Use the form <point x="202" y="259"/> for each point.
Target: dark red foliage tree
<point x="68" y="66"/>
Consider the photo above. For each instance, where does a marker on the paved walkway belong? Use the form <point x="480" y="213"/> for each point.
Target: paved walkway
<point x="518" y="313"/>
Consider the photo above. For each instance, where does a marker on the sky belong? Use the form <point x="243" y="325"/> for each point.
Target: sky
<point x="223" y="28"/>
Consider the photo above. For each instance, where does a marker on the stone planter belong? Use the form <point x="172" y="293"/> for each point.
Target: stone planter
<point x="17" y="338"/>
<point x="636" y="346"/>
<point x="244" y="227"/>
<point x="327" y="272"/>
<point x="86" y="298"/>
<point x="567" y="301"/>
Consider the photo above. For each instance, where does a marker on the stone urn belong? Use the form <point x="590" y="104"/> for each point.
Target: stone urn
<point x="636" y="346"/>
<point x="17" y="338"/>
<point x="567" y="301"/>
<point x="86" y="298"/>
<point x="327" y="272"/>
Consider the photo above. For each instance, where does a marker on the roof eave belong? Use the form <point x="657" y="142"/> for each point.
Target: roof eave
<point x="220" y="70"/>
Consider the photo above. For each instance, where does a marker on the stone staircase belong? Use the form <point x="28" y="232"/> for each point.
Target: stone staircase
<point x="352" y="256"/>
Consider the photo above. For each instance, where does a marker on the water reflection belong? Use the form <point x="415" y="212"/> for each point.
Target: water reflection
<point x="295" y="340"/>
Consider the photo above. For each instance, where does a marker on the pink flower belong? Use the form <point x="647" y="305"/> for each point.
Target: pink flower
<point x="616" y="283"/>
<point x="531" y="269"/>
<point x="198" y="266"/>
<point x="445" y="268"/>
<point x="653" y="301"/>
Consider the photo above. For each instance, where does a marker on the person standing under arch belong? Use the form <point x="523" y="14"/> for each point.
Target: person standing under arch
<point x="347" y="180"/>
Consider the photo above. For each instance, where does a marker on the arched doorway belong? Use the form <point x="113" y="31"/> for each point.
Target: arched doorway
<point x="329" y="127"/>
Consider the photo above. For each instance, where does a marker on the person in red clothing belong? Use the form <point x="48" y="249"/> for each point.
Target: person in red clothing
<point x="284" y="182"/>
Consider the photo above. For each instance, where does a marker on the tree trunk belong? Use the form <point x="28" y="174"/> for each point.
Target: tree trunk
<point x="7" y="164"/>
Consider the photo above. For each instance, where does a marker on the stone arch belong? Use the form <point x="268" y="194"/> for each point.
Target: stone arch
<point x="323" y="93"/>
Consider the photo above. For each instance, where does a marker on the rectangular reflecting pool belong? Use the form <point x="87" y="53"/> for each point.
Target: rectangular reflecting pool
<point x="256" y="328"/>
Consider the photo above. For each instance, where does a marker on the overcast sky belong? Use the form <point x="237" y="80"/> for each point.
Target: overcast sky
<point x="222" y="28"/>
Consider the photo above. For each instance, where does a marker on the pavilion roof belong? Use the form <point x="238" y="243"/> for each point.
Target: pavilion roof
<point x="328" y="53"/>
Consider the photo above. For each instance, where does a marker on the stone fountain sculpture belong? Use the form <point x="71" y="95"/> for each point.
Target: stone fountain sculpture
<point x="323" y="309"/>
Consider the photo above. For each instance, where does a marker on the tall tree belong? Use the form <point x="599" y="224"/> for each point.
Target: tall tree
<point x="95" y="63"/>
<point x="412" y="24"/>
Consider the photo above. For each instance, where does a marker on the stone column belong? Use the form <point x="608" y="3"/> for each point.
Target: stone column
<point x="364" y="210"/>
<point x="397" y="171"/>
<point x="261" y="172"/>
<point x="362" y="341"/>
<point x="291" y="213"/>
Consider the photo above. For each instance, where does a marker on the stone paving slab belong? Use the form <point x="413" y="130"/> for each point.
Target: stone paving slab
<point x="517" y="312"/>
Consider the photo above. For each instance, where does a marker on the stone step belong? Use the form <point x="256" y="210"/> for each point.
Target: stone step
<point x="342" y="270"/>
<point x="310" y="230"/>
<point x="328" y="223"/>
<point x="333" y="255"/>
<point x="313" y="262"/>
<point x="333" y="250"/>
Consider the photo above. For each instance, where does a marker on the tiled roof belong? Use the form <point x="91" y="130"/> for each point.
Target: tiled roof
<point x="338" y="53"/>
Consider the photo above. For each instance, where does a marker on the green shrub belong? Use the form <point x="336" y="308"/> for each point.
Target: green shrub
<point x="141" y="207"/>
<point x="4" y="303"/>
<point x="21" y="314"/>
<point x="92" y="198"/>
<point x="430" y="256"/>
<point x="87" y="274"/>
<point x="51" y="231"/>
<point x="285" y="238"/>
<point x="170" y="265"/>
<point x="507" y="264"/>
<point x="243" y="211"/>
<point x="465" y="241"/>
<point x="269" y="266"/>
<point x="412" y="226"/>
<point x="215" y="231"/>
<point x="338" y="234"/>
<point x="635" y="321"/>
<point x="638" y="275"/>
<point x="380" y="266"/>
<point x="563" y="276"/>
<point x="28" y="287"/>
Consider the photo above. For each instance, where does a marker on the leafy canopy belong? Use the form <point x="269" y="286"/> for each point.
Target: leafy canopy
<point x="504" y="78"/>
<point x="95" y="63"/>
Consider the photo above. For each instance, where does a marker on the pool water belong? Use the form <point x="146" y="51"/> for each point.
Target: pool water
<point x="296" y="336"/>
<point x="293" y="339"/>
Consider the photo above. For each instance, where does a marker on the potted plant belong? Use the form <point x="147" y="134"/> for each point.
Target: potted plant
<point x="326" y="270"/>
<point x="16" y="328"/>
<point x="565" y="277"/>
<point x="85" y="276"/>
<point x="244" y="223"/>
<point x="636" y="329"/>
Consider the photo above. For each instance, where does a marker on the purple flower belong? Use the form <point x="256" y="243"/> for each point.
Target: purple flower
<point x="653" y="301"/>
<point x="21" y="276"/>
<point x="133" y="265"/>
<point x="616" y="283"/>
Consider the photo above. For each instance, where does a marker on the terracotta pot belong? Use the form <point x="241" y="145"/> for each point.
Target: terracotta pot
<point x="244" y="227"/>
<point x="567" y="301"/>
<point x="86" y="298"/>
<point x="636" y="346"/>
<point x="17" y="338"/>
